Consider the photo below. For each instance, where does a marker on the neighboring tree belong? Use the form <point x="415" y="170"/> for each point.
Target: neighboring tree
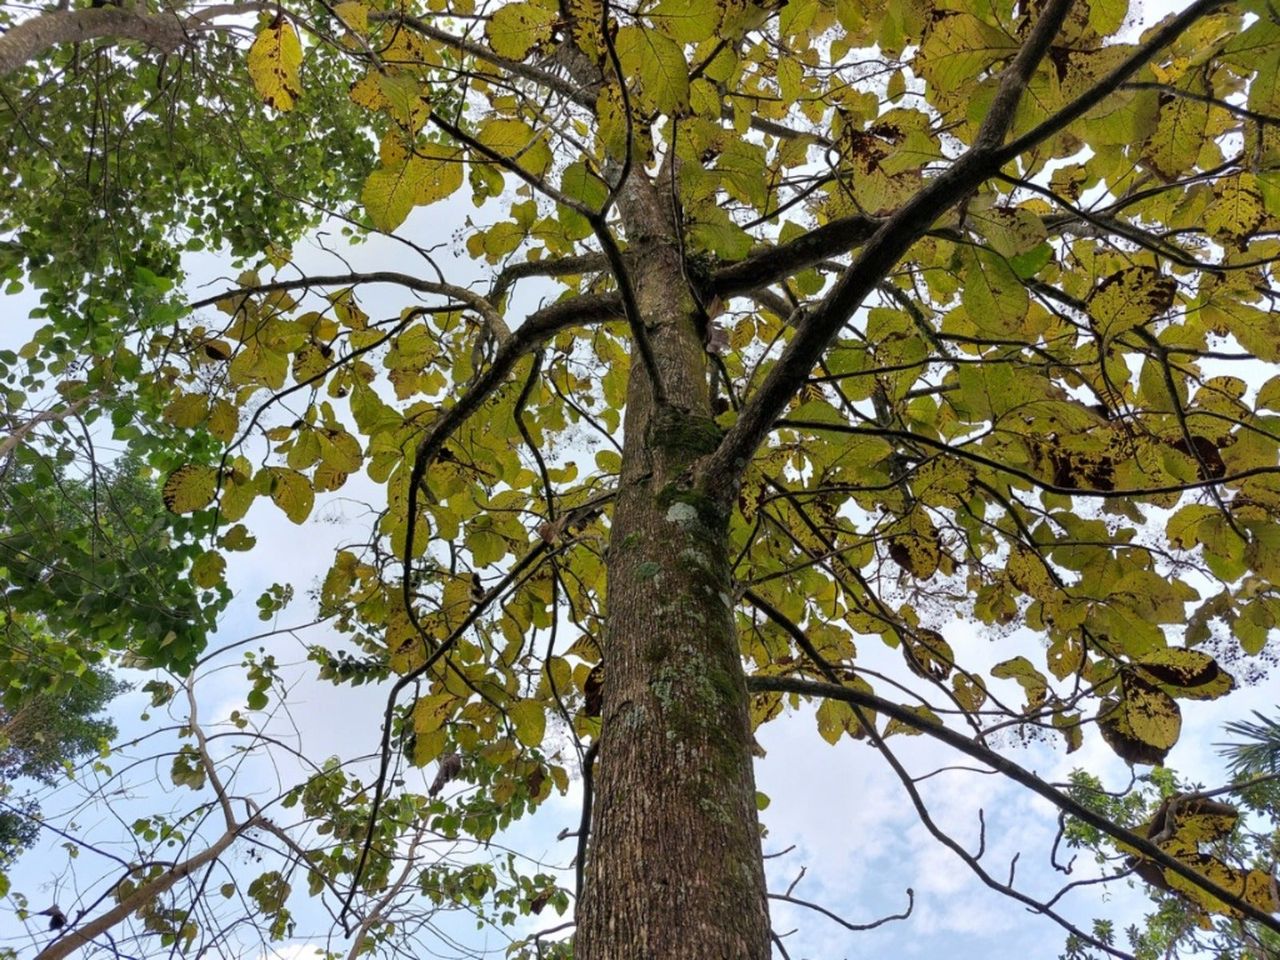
<point x="39" y="739"/>
<point x="871" y="320"/>
<point x="88" y="572"/>
<point x="91" y="567"/>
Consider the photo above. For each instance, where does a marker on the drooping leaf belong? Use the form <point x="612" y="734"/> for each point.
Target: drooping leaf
<point x="275" y="59"/>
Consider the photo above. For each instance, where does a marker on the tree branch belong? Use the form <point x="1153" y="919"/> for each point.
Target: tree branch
<point x="481" y="305"/>
<point x="1017" y="773"/>
<point x="722" y="470"/>
<point x="1108" y="84"/>
<point x="81" y="936"/>
<point x="33" y="37"/>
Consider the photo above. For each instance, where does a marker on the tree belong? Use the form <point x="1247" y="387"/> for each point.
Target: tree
<point x="88" y="568"/>
<point x="883" y="320"/>
<point x="38" y="738"/>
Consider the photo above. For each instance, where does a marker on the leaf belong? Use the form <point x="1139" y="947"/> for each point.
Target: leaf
<point x="190" y="488"/>
<point x="274" y="61"/>
<point x="835" y="719"/>
<point x="1254" y="886"/>
<point x="517" y="28"/>
<point x="237" y="538"/>
<point x="224" y="420"/>
<point x="431" y="712"/>
<point x="688" y="21"/>
<point x="187" y="410"/>
<point x="208" y="570"/>
<point x="970" y="690"/>
<point x="1143" y="725"/>
<point x="354" y="15"/>
<point x="291" y="492"/>
<point x="993" y="296"/>
<point x="1179" y="826"/>
<point x="658" y="63"/>
<point x="340" y="450"/>
<point x="928" y="654"/>
<point x="1237" y="209"/>
<point x="1174" y="147"/>
<point x="924" y="713"/>
<point x="403" y="180"/>
<point x="516" y="140"/>
<point x="1188" y="674"/>
<point x="1130" y="298"/>
<point x="1029" y="678"/>
<point x="529" y="717"/>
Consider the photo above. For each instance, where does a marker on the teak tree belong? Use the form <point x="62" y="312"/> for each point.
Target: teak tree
<point x="886" y="320"/>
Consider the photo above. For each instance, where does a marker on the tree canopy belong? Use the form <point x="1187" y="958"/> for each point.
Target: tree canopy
<point x="819" y="350"/>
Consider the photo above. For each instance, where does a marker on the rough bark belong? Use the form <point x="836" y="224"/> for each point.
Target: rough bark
<point x="674" y="869"/>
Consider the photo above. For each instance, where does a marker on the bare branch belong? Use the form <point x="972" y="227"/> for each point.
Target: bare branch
<point x="1019" y="774"/>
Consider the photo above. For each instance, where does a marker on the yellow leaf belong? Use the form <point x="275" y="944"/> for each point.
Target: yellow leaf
<point x="187" y="410"/>
<point x="237" y="538"/>
<point x="1237" y="209"/>
<point x="835" y="717"/>
<point x="340" y="450"/>
<point x="354" y="15"/>
<point x="291" y="492"/>
<point x="970" y="690"/>
<point x="658" y="63"/>
<point x="208" y="569"/>
<point x="238" y="491"/>
<point x="430" y="713"/>
<point x="224" y="420"/>
<point x="924" y="713"/>
<point x="403" y="180"/>
<point x="367" y="92"/>
<point x="1188" y="674"/>
<point x="1143" y="726"/>
<point x="517" y="28"/>
<point x="429" y="746"/>
<point x="516" y="140"/>
<point x="274" y="61"/>
<point x="530" y="721"/>
<point x="996" y="300"/>
<point x="189" y="488"/>
<point x="688" y="21"/>
<point x="1130" y="298"/>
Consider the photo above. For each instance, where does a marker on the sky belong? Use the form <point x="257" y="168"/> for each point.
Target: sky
<point x="838" y="825"/>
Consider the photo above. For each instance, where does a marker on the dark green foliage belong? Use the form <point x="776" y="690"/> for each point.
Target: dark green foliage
<point x="91" y="566"/>
<point x="50" y="730"/>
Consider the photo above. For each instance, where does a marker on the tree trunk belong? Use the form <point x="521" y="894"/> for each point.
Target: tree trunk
<point x="674" y="870"/>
